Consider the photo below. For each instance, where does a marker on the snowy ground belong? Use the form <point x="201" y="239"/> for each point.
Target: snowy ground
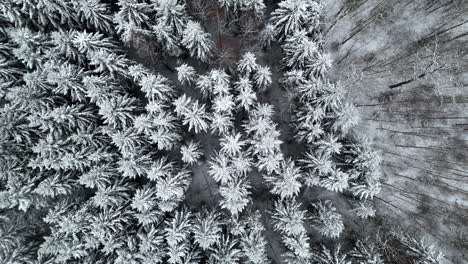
<point x="421" y="123"/>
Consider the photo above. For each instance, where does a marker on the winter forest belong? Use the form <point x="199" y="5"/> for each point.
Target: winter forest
<point x="233" y="131"/>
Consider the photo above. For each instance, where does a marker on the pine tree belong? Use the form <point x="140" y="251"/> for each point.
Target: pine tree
<point x="232" y="145"/>
<point x="319" y="164"/>
<point x="294" y="15"/>
<point x="157" y="87"/>
<point x="252" y="241"/>
<point x="327" y="256"/>
<point x="165" y="36"/>
<point x="185" y="74"/>
<point x="288" y="218"/>
<point x="177" y="231"/>
<point x="368" y="186"/>
<point x="196" y="117"/>
<point x="114" y="195"/>
<point x="287" y="183"/>
<point x="246" y="98"/>
<point x="267" y="36"/>
<point x="67" y="79"/>
<point x="235" y="196"/>
<point x="320" y="66"/>
<point x="133" y="16"/>
<point x="171" y="14"/>
<point x="337" y="181"/>
<point x="346" y="118"/>
<point x="364" y="210"/>
<point x="326" y="220"/>
<point x="329" y="144"/>
<point x="367" y="253"/>
<point x="191" y="152"/>
<point x="107" y="62"/>
<point x="207" y="229"/>
<point x="225" y="251"/>
<point x="299" y="50"/>
<point x="262" y="78"/>
<point x="220" y="168"/>
<point x="247" y="64"/>
<point x="223" y="104"/>
<point x="95" y="14"/>
<point x="298" y="249"/>
<point x="197" y="41"/>
<point x="420" y="249"/>
<point x="144" y="199"/>
<point x="89" y="43"/>
<point x="221" y="124"/>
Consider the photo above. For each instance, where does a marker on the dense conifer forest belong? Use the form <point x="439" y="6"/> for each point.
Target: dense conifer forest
<point x="233" y="131"/>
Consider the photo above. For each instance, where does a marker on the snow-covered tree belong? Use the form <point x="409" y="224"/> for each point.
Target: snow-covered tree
<point x="221" y="123"/>
<point x="337" y="181"/>
<point x="220" y="168"/>
<point x="225" y="251"/>
<point x="231" y="145"/>
<point x="223" y="104"/>
<point x="197" y="41"/>
<point x="367" y="253"/>
<point x="194" y="115"/>
<point x="319" y="164"/>
<point x="294" y="15"/>
<point x="267" y="35"/>
<point x="246" y="98"/>
<point x="252" y="241"/>
<point x="108" y="62"/>
<point x="364" y="210"/>
<point x="298" y="249"/>
<point x="288" y="218"/>
<point x="326" y="220"/>
<point x="171" y="190"/>
<point x="420" y="249"/>
<point x="346" y="118"/>
<point x="172" y="14"/>
<point x="247" y="64"/>
<point x="287" y="183"/>
<point x="262" y="78"/>
<point x="95" y="14"/>
<point x="165" y="36"/>
<point x="118" y="111"/>
<point x="235" y="196"/>
<point x="157" y="87"/>
<point x="191" y="152"/>
<point x="299" y="50"/>
<point x="185" y="74"/>
<point x="176" y="231"/>
<point x="325" y="255"/>
<point x="367" y="186"/>
<point x="320" y="66"/>
<point x="329" y="144"/>
<point x="207" y="229"/>
<point x="144" y="199"/>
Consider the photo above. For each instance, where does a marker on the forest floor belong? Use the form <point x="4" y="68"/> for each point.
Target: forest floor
<point x="413" y="104"/>
<point x="405" y="63"/>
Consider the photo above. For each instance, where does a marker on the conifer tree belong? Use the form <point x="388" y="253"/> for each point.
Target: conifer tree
<point x="326" y="220"/>
<point x="197" y="41"/>
<point x="327" y="256"/>
<point x="185" y="74"/>
<point x="207" y="229"/>
<point x="247" y="63"/>
<point x="191" y="152"/>
<point x="287" y="183"/>
<point x="235" y="196"/>
<point x="262" y="78"/>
